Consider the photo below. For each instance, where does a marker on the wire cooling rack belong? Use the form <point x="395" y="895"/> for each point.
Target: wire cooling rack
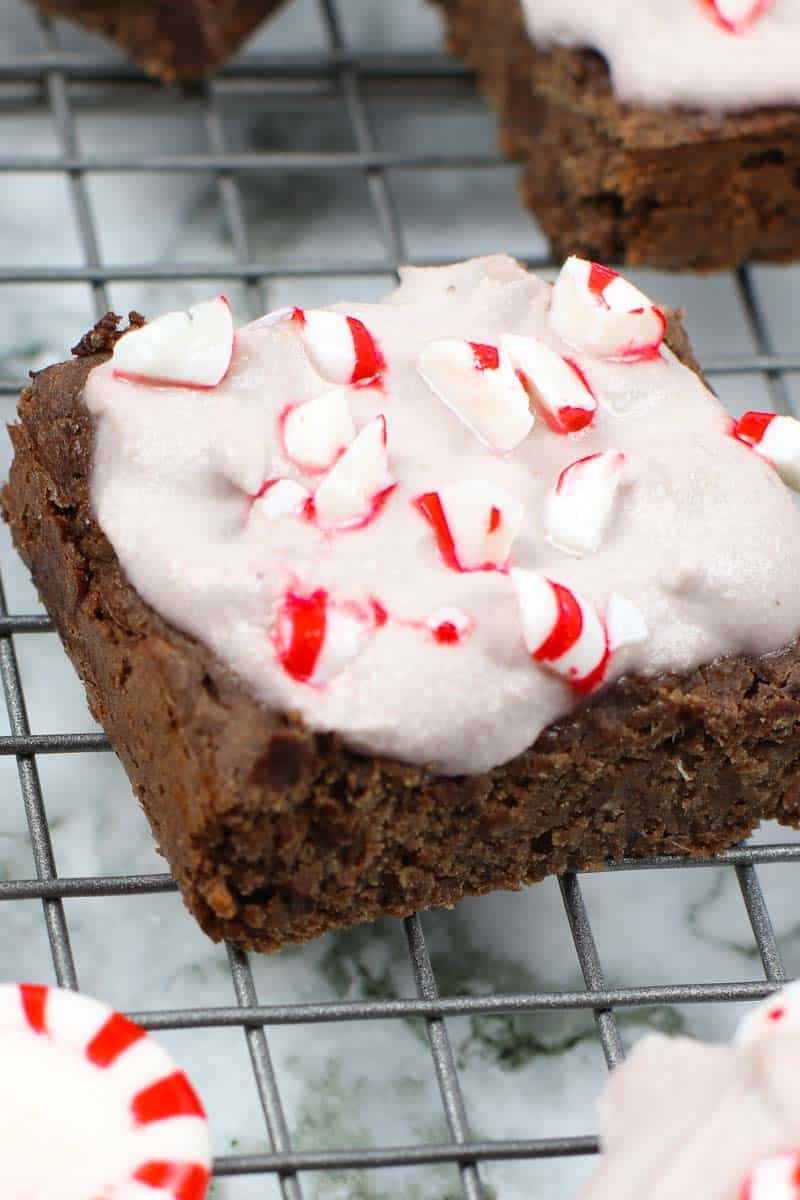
<point x="333" y="75"/>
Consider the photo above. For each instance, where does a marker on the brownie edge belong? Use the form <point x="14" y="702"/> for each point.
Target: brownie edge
<point x="276" y="834"/>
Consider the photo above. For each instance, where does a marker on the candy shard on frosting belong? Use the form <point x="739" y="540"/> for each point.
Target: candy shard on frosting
<point x="475" y="523"/>
<point x="181" y="349"/>
<point x="477" y="382"/>
<point x="578" y="511"/>
<point x="625" y="623"/>
<point x="340" y="348"/>
<point x="595" y="310"/>
<point x="557" y="386"/>
<point x="775" y="438"/>
<point x="562" y="630"/>
<point x="773" y="1178"/>
<point x="736" y="16"/>
<point x="354" y="489"/>
<point x="316" y="638"/>
<point x="315" y="432"/>
<point x="281" y="498"/>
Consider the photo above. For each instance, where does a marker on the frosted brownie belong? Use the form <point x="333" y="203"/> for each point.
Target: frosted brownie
<point x="636" y="151"/>
<point x="720" y="1122"/>
<point x="386" y="604"/>
<point x="174" y="41"/>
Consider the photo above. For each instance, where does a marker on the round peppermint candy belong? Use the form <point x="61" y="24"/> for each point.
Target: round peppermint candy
<point x="93" y="1108"/>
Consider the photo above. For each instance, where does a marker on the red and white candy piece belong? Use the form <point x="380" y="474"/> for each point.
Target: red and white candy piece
<point x="92" y="1106"/>
<point x="625" y="624"/>
<point x="557" y="386"/>
<point x="562" y="631"/>
<point x="578" y="510"/>
<point x="775" y="438"/>
<point x="340" y="348"/>
<point x="355" y="488"/>
<point x="316" y="432"/>
<point x="475" y="523"/>
<point x="181" y="349"/>
<point x="478" y="383"/>
<point x="778" y="1014"/>
<point x="775" y="1178"/>
<point x="315" y="637"/>
<point x="449" y="625"/>
<point x="736" y="16"/>
<point x="596" y="310"/>
<point x="281" y="498"/>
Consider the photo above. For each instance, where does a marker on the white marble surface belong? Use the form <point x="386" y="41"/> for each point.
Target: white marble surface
<point x="351" y="1084"/>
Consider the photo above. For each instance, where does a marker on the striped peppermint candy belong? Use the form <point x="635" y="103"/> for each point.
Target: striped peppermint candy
<point x="180" y="349"/>
<point x="557" y="386"/>
<point x="93" y="1106"/>
<point x="562" y="630"/>
<point x="736" y="16"/>
<point x="774" y="1178"/>
<point x="775" y="438"/>
<point x="359" y="483"/>
<point x="340" y="348"/>
<point x="475" y="523"/>
<point x="777" y="1014"/>
<point x="596" y="310"/>
<point x="317" y="431"/>
<point x="578" y="511"/>
<point x="316" y="637"/>
<point x="449" y="625"/>
<point x="478" y="383"/>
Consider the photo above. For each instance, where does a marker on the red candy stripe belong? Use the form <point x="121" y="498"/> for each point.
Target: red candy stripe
<point x="567" y="629"/>
<point x="485" y="357"/>
<point x="34" y="1002"/>
<point x="307" y="620"/>
<point x="112" y="1040"/>
<point x="369" y="362"/>
<point x="431" y="508"/>
<point x="172" y="1096"/>
<point x="186" y="1181"/>
<point x="752" y="426"/>
<point x="599" y="279"/>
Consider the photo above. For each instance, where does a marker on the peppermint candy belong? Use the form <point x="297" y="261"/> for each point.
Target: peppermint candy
<point x="180" y="349"/>
<point x="340" y="348"/>
<point x="316" y="637"/>
<point x="475" y="523"/>
<point x="594" y="309"/>
<point x="92" y="1105"/>
<point x="578" y="511"/>
<point x="775" y="438"/>
<point x="557" y="386"/>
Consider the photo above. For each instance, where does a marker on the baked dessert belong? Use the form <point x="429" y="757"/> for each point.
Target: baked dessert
<point x="386" y="604"/>
<point x="673" y="159"/>
<point x="682" y="1117"/>
<point x="173" y="41"/>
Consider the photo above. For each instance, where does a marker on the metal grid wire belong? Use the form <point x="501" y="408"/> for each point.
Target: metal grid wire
<point x="55" y="72"/>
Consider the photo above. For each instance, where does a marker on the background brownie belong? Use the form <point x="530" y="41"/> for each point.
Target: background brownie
<point x="276" y="834"/>
<point x="623" y="182"/>
<point x="185" y="40"/>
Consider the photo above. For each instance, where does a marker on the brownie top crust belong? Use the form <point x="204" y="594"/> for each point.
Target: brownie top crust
<point x="437" y="524"/>
<point x="719" y="55"/>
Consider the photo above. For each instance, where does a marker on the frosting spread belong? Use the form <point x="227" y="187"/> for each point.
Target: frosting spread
<point x="435" y="524"/>
<point x="683" y="1118"/>
<point x="727" y="55"/>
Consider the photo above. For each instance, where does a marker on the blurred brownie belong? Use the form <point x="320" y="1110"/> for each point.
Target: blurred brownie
<point x="173" y="41"/>
<point x="666" y="187"/>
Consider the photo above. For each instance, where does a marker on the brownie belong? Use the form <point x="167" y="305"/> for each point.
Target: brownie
<point x="174" y="41"/>
<point x="625" y="182"/>
<point x="276" y="833"/>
